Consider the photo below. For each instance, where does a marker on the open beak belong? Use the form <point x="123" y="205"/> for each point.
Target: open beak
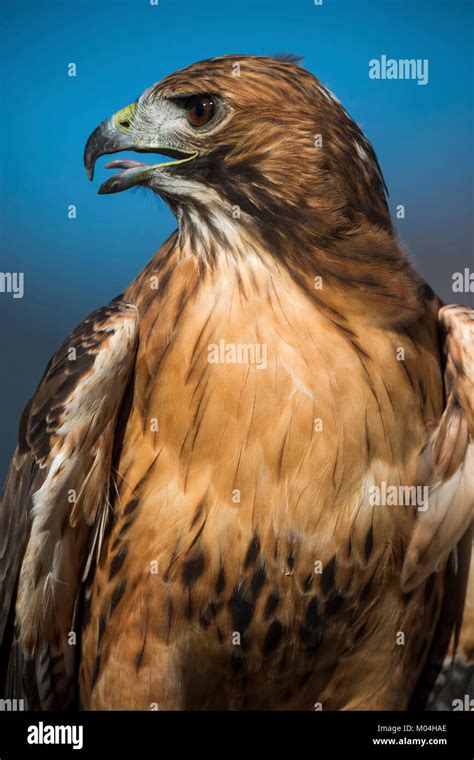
<point x="114" y="135"/>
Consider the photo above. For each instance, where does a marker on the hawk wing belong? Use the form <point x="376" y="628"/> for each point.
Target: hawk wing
<point x="443" y="534"/>
<point x="55" y="503"/>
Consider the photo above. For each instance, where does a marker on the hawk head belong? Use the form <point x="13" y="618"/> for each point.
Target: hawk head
<point x="262" y="157"/>
<point x="260" y="134"/>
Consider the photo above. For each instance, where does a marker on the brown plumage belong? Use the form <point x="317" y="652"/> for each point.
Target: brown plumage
<point x="277" y="360"/>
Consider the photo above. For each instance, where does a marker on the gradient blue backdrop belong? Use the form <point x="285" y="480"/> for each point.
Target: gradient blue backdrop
<point x="422" y="135"/>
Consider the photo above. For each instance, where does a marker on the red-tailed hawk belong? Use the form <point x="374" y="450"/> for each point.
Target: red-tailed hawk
<point x="248" y="481"/>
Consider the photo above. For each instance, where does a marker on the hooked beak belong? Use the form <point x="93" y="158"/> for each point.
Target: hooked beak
<point x="114" y="135"/>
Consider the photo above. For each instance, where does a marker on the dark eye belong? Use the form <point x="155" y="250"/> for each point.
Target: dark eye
<point x="200" y="110"/>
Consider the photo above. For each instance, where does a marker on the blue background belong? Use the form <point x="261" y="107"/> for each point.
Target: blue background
<point x="422" y="135"/>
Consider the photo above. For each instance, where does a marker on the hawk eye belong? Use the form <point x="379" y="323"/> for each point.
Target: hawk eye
<point x="200" y="110"/>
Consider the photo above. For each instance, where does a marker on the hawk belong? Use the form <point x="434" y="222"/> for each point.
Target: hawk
<point x="247" y="482"/>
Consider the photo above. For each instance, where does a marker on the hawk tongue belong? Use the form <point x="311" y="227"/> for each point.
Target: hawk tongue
<point x="123" y="163"/>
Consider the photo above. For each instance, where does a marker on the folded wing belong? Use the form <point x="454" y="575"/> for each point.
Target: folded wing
<point x="55" y="503"/>
<point x="442" y="539"/>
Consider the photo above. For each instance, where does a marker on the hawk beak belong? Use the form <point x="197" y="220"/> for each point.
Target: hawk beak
<point x="114" y="135"/>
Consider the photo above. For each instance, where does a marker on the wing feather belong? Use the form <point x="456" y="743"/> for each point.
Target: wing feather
<point x="443" y="534"/>
<point x="446" y="464"/>
<point x="54" y="504"/>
